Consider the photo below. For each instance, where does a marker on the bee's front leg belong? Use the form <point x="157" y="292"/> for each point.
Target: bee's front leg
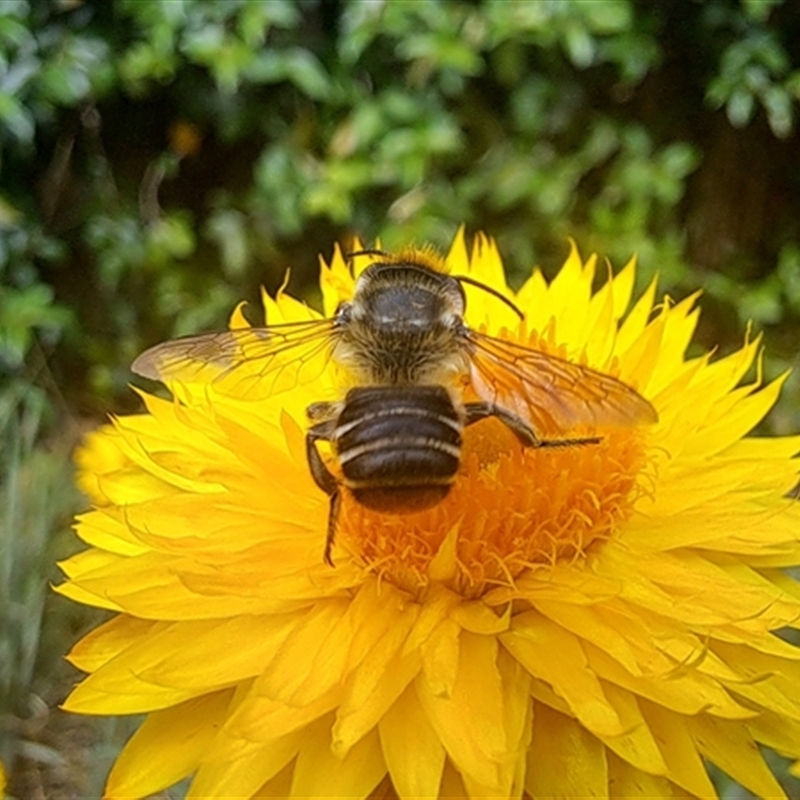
<point x="526" y="435"/>
<point x="324" y="430"/>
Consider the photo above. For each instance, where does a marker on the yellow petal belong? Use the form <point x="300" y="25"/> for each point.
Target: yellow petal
<point x="604" y="310"/>
<point x="532" y="296"/>
<point x="641" y="359"/>
<point x="517" y="719"/>
<point x="637" y="319"/>
<point x="261" y="719"/>
<point x="193" y="724"/>
<point x="605" y="627"/>
<point x="245" y="768"/>
<point x="477" y="617"/>
<point x="731" y="748"/>
<point x="104" y="529"/>
<point x="470" y="722"/>
<point x="764" y="679"/>
<point x="564" y="759"/>
<point x="108" y="640"/>
<point x="444" y="565"/>
<point x="175" y="660"/>
<point x="636" y="744"/>
<point x="555" y="656"/>
<point x="86" y="698"/>
<point x="774" y="731"/>
<point x="736" y="421"/>
<point x="277" y="787"/>
<point x="486" y="267"/>
<point x="687" y="691"/>
<point x="679" y="324"/>
<point x="440" y="653"/>
<point x="320" y="646"/>
<point x="319" y="773"/>
<point x="626" y="781"/>
<point x="374" y="686"/>
<point x="436" y="608"/>
<point x="336" y="281"/>
<point x="413" y="751"/>
<point x="568" y="297"/>
<point x="684" y="765"/>
<point x="153" y="586"/>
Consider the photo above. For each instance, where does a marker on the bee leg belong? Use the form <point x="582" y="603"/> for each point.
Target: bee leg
<point x="324" y="478"/>
<point x="333" y="516"/>
<point x="523" y="431"/>
<point x="324" y="411"/>
<point x="478" y="411"/>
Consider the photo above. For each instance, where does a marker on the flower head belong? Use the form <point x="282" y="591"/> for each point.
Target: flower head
<point x="568" y="621"/>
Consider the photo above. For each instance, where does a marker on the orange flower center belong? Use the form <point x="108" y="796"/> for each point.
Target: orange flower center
<point x="511" y="509"/>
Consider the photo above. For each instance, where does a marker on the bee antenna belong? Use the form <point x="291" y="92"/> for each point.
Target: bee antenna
<point x="367" y="252"/>
<point x="489" y="290"/>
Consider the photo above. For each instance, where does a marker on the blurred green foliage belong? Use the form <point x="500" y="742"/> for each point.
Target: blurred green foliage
<point x="159" y="159"/>
<point x="37" y="502"/>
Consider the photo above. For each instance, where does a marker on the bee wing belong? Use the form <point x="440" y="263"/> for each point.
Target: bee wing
<point x="255" y="362"/>
<point x="549" y="393"/>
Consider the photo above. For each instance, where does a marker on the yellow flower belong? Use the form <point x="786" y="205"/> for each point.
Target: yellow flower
<point x="584" y="621"/>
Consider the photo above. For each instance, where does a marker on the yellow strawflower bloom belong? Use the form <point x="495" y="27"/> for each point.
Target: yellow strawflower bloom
<point x="578" y="622"/>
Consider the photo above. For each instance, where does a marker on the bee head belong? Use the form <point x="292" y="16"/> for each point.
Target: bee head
<point x="412" y="291"/>
<point x="407" y="297"/>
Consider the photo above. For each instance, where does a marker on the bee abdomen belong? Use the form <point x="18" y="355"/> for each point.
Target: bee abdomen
<point x="399" y="447"/>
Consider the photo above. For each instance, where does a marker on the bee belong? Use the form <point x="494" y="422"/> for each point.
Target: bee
<point x="397" y="433"/>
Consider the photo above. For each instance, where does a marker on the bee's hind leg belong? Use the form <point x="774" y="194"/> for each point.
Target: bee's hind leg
<point x="478" y="411"/>
<point x="324" y="478"/>
<point x="526" y="435"/>
<point x="333" y="516"/>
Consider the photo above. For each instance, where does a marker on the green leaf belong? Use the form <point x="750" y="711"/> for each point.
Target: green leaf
<point x="22" y="310"/>
<point x="63" y="84"/>
<point x="170" y="237"/>
<point x="740" y="107"/>
<point x="580" y="45"/>
<point x="228" y="229"/>
<point x="780" y="110"/>
<point x="294" y="65"/>
<point x="759" y="10"/>
<point x="16" y="118"/>
<point x="14" y="33"/>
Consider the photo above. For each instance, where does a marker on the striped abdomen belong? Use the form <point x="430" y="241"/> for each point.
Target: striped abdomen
<point x="398" y="446"/>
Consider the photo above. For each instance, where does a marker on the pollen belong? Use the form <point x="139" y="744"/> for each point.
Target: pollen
<point x="511" y="509"/>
